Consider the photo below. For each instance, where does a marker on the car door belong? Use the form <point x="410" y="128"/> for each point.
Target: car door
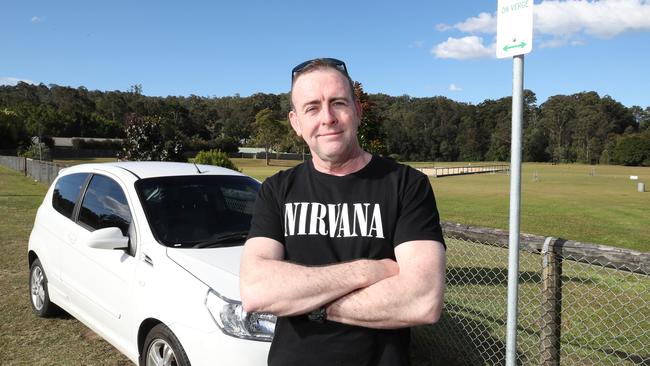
<point x="56" y="226"/>
<point x="103" y="277"/>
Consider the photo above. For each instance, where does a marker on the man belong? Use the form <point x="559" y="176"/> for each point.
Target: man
<point x="345" y="249"/>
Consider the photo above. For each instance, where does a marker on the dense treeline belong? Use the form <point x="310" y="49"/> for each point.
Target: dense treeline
<point x="583" y="127"/>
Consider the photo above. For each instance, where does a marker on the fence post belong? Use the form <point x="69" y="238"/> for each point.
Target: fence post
<point x="551" y="320"/>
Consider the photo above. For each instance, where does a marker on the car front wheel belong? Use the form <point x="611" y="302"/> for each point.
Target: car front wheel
<point x="162" y="348"/>
<point x="38" y="294"/>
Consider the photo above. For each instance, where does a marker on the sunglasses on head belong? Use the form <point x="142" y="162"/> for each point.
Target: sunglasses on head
<point x="340" y="65"/>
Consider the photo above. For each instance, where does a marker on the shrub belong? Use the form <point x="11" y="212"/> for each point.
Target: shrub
<point x="215" y="157"/>
<point x="632" y="150"/>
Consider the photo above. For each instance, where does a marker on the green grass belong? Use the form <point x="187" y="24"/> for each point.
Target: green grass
<point x="257" y="168"/>
<point x="597" y="302"/>
<point x="578" y="202"/>
<point x="24" y="338"/>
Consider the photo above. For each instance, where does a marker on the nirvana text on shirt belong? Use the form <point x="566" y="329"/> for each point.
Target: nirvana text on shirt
<point x="340" y="220"/>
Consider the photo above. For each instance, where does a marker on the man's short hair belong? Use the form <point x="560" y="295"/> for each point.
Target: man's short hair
<point x="320" y="64"/>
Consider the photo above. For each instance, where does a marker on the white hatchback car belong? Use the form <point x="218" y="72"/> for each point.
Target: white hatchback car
<point x="147" y="255"/>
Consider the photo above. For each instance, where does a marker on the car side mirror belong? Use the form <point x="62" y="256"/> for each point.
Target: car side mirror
<point x="108" y="238"/>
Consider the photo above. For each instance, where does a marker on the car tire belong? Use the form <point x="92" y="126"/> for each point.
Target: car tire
<point x="162" y="348"/>
<point x="39" y="295"/>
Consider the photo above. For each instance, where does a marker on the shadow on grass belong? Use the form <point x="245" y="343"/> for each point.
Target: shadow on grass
<point x="457" y="341"/>
<point x="636" y="359"/>
<point x="456" y="310"/>
<point x="60" y="314"/>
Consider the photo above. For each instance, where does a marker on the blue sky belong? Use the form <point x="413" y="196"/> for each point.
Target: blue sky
<point x="417" y="48"/>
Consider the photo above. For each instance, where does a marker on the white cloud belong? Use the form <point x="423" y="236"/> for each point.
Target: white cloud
<point x="557" y="23"/>
<point x="484" y="23"/>
<point x="8" y="80"/>
<point x="463" y="48"/>
<point x="604" y="19"/>
<point x="37" y="19"/>
<point x="454" y="88"/>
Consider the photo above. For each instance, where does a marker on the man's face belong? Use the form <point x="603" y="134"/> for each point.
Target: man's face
<point x="326" y="115"/>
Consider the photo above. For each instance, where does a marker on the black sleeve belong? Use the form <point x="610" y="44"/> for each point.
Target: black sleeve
<point x="418" y="217"/>
<point x="267" y="216"/>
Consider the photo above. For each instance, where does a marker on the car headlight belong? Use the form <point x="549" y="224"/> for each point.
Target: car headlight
<point x="234" y="321"/>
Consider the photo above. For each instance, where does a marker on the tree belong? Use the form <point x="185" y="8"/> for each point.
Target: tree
<point x="145" y="141"/>
<point x="12" y="132"/>
<point x="469" y="140"/>
<point x="633" y="150"/>
<point x="495" y="116"/>
<point x="371" y="135"/>
<point x="291" y="142"/>
<point x="535" y="143"/>
<point x="587" y="140"/>
<point x="556" y="116"/>
<point x="641" y="116"/>
<point x="269" y="132"/>
<point x="581" y="127"/>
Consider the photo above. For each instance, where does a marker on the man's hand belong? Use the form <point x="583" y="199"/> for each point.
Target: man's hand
<point x="270" y="284"/>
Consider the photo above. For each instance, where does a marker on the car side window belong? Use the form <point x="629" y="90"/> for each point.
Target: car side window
<point x="104" y="205"/>
<point x="66" y="193"/>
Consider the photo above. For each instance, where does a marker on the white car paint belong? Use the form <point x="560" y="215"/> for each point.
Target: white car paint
<point x="115" y="292"/>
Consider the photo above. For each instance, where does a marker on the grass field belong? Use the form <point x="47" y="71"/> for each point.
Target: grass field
<point x="598" y="204"/>
<point x="578" y="202"/>
<point x="597" y="326"/>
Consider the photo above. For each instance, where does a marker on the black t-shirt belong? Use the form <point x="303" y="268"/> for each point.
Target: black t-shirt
<point x="323" y="219"/>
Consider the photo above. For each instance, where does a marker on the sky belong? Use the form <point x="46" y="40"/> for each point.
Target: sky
<point x="416" y="48"/>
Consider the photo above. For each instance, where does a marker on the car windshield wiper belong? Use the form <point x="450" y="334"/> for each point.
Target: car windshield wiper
<point x="222" y="240"/>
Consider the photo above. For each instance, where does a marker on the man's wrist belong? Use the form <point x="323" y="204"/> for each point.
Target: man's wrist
<point x="318" y="315"/>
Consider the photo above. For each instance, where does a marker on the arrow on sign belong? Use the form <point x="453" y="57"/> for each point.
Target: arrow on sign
<point x="521" y="45"/>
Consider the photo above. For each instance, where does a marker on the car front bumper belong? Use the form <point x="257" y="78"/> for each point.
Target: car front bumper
<point x="215" y="348"/>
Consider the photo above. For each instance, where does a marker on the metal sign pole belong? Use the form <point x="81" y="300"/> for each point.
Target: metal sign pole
<point x="515" y="197"/>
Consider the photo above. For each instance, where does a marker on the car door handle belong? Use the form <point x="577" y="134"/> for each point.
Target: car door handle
<point x="72" y="238"/>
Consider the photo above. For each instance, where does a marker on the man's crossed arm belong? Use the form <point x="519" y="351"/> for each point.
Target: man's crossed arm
<point x="370" y="293"/>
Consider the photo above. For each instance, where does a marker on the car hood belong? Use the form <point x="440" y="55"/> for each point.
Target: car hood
<point x="216" y="267"/>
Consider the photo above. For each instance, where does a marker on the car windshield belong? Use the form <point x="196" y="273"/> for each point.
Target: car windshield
<point x="204" y="211"/>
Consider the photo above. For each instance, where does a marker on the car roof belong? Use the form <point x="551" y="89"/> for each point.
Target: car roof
<point x="150" y="169"/>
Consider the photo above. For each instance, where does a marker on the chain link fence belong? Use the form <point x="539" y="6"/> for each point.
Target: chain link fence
<point x="579" y="304"/>
<point x="41" y="171"/>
